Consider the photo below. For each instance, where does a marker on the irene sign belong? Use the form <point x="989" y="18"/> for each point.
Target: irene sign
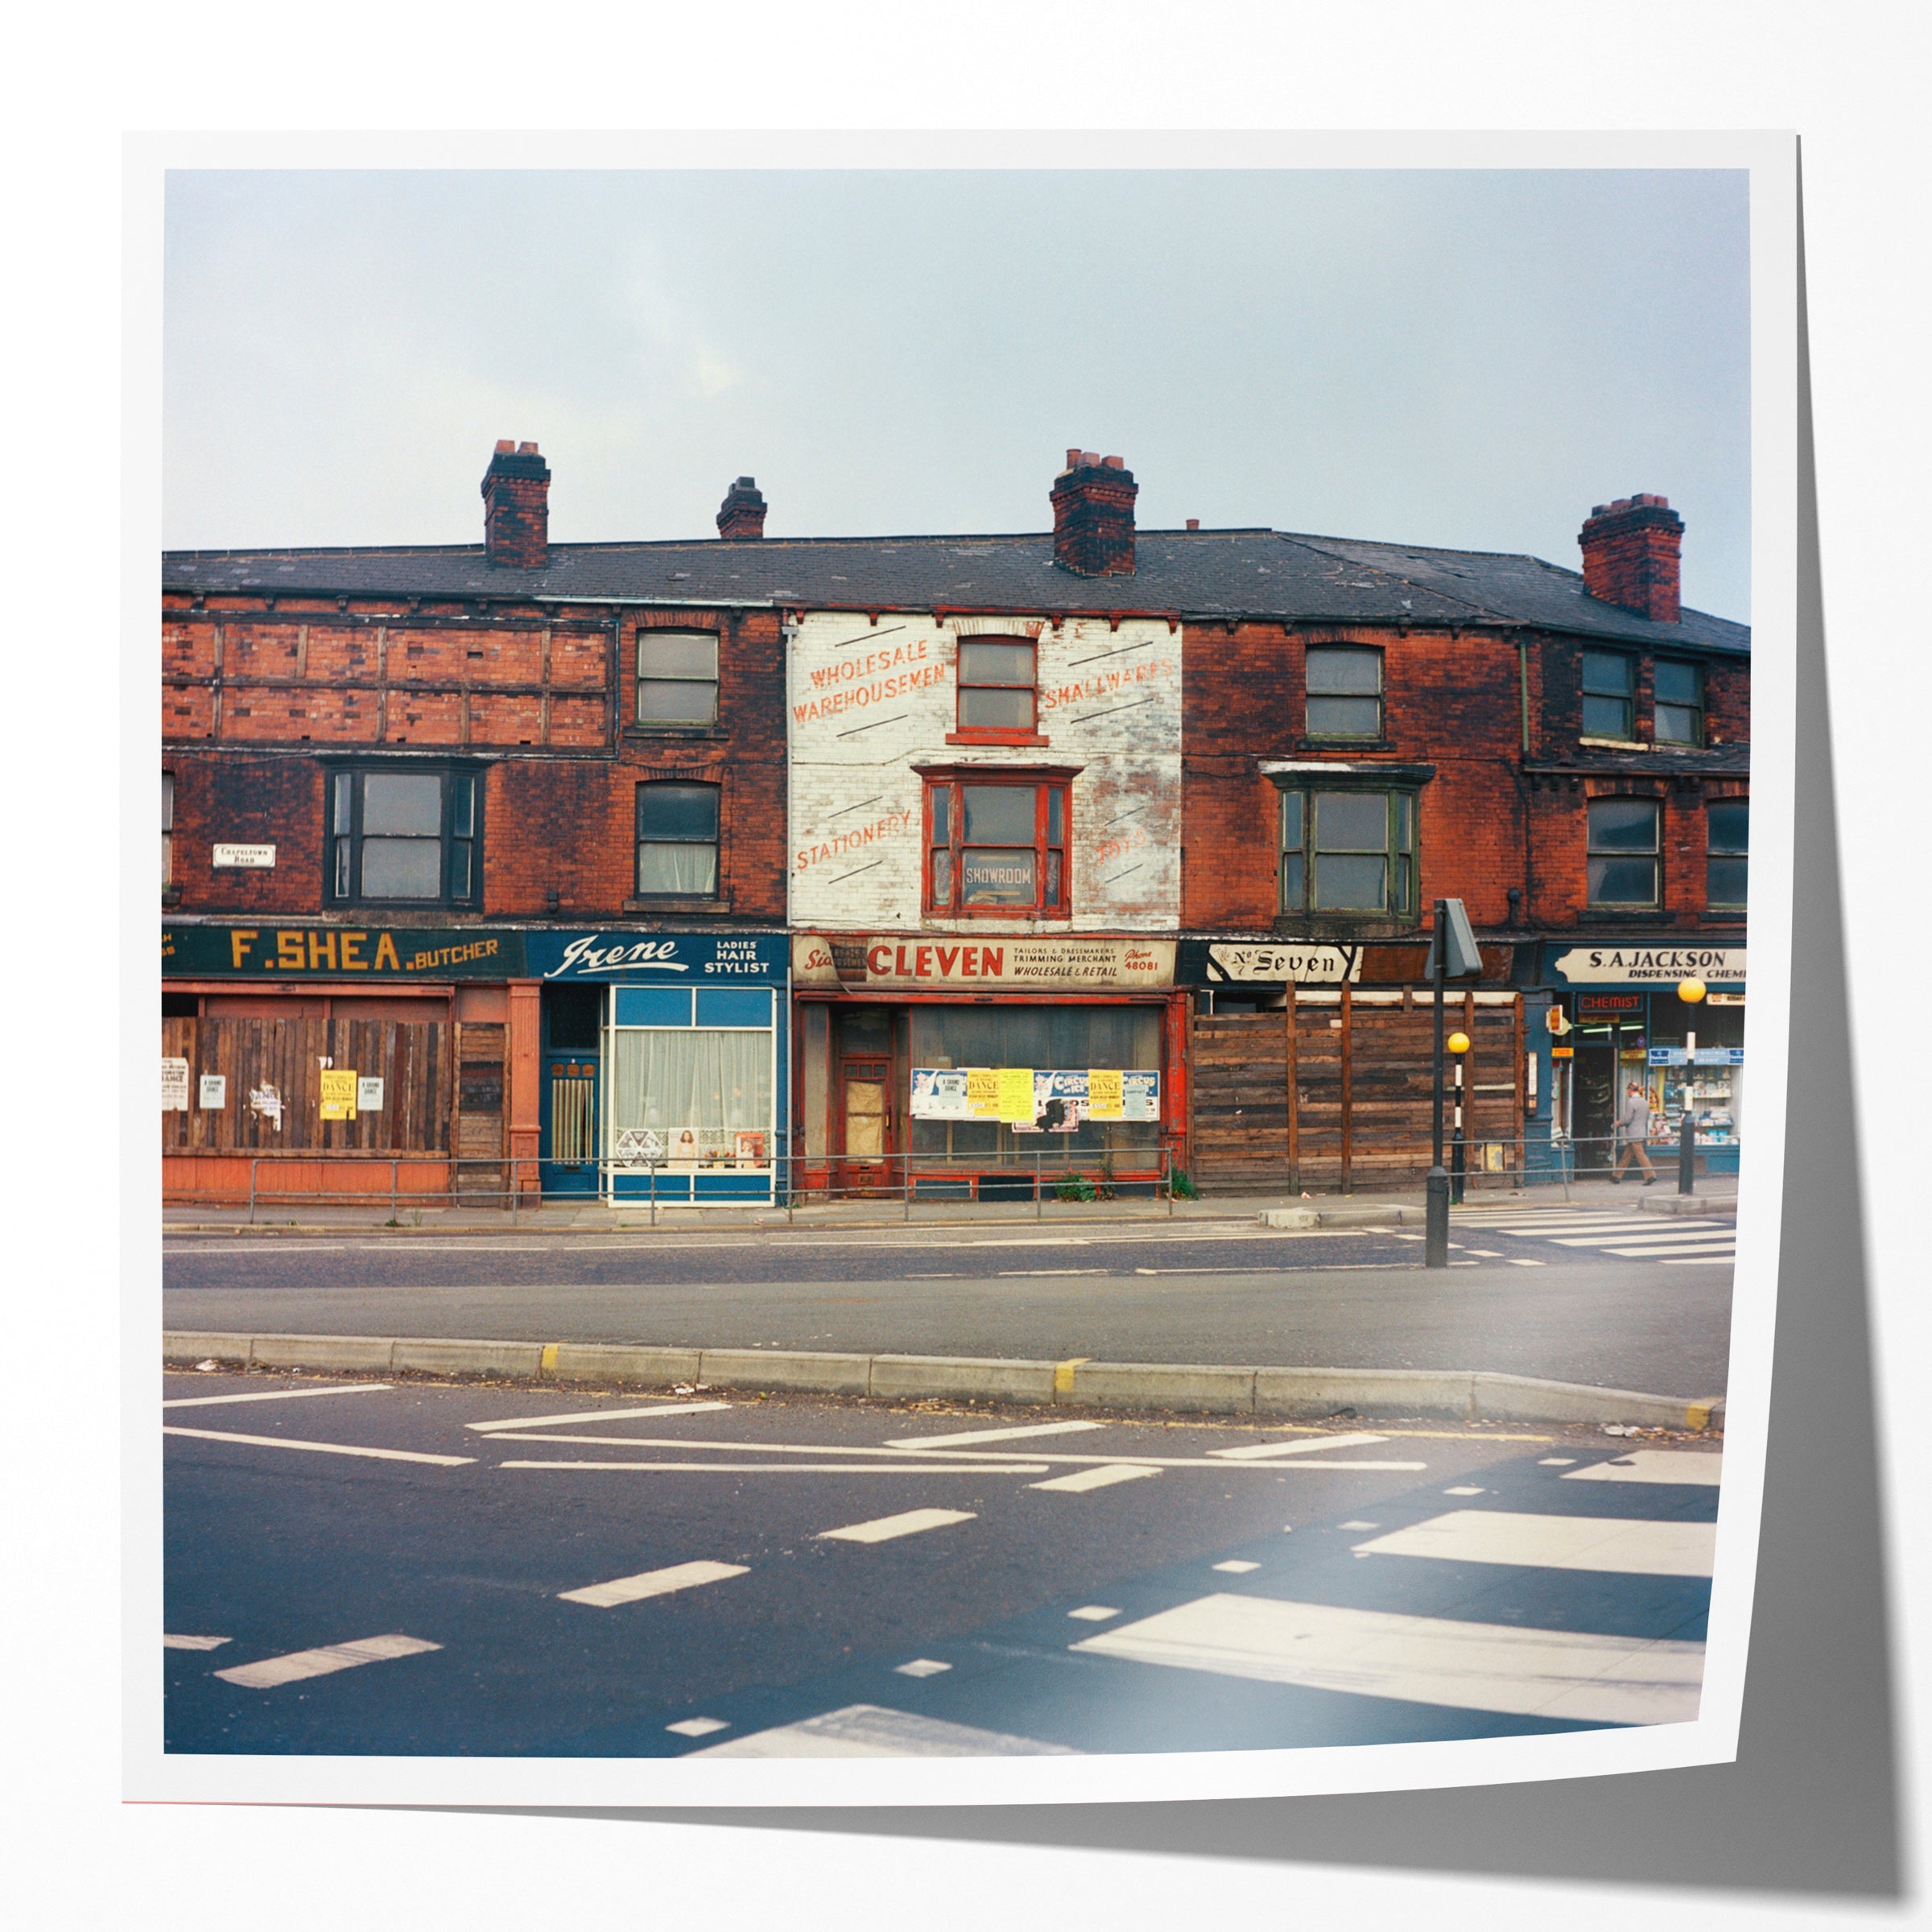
<point x="986" y="965"/>
<point x="1649" y="965"/>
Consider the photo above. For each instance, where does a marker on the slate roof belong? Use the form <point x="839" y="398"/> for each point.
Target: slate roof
<point x="1266" y="574"/>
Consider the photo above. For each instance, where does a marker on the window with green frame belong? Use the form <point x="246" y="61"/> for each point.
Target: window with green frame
<point x="1609" y="695"/>
<point x="1727" y="854"/>
<point x="1679" y="702"/>
<point x="1347" y="851"/>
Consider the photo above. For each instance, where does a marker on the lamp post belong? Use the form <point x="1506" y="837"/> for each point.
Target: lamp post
<point x="1458" y="1044"/>
<point x="1690" y="991"/>
<point x="1452" y="955"/>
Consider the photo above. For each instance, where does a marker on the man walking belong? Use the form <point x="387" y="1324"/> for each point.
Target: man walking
<point x="1634" y="1119"/>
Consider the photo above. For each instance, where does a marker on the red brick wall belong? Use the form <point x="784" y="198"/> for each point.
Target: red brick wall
<point x="245" y="688"/>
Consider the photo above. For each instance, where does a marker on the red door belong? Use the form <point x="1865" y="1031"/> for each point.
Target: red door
<point x="866" y="1141"/>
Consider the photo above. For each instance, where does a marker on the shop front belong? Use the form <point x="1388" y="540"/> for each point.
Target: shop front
<point x="1312" y="1065"/>
<point x="1616" y="1019"/>
<point x="992" y="1069"/>
<point x="667" y="1070"/>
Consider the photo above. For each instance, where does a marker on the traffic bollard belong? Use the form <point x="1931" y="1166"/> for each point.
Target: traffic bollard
<point x="1686" y="1154"/>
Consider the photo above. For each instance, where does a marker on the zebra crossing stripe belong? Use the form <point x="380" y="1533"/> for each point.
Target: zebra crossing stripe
<point x="871" y="1730"/>
<point x="1466" y="1666"/>
<point x="298" y="1664"/>
<point x="1629" y="1548"/>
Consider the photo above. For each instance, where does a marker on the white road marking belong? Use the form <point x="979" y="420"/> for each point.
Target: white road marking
<point x="932" y="1278"/>
<point x="1236" y="1566"/>
<point x="1357" y="1524"/>
<point x="298" y="1664"/>
<point x="273" y="1395"/>
<point x="1488" y="1254"/>
<point x="1094" y="1613"/>
<point x="909" y="1522"/>
<point x="651" y="1583"/>
<point x="1466" y="1666"/>
<point x="1268" y="1452"/>
<point x="797" y="1468"/>
<point x="698" y="1727"/>
<point x="1465" y="1489"/>
<point x="1523" y="1261"/>
<point x="594" y="1415"/>
<point x="1102" y="1477"/>
<point x="869" y="1730"/>
<point x="1400" y="1236"/>
<point x="176" y="1245"/>
<point x="1024" y="1240"/>
<point x="991" y="1435"/>
<point x="291" y="1442"/>
<point x="1724" y="1250"/>
<point x="1654" y="1465"/>
<point x="193" y="1643"/>
<point x="1557" y="1542"/>
<point x="1694" y="1261"/>
<point x="1035" y="1274"/>
<point x="1555" y="1462"/>
<point x="921" y="1666"/>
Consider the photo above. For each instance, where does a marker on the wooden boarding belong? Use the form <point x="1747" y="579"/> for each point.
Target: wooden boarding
<point x="1336" y="1096"/>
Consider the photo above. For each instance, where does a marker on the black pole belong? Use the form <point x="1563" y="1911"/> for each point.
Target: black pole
<point x="1435" y="1251"/>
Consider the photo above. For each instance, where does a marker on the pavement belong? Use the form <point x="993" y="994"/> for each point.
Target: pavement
<point x="1714" y="1194"/>
<point x="1612" y="1298"/>
<point x="355" y="1567"/>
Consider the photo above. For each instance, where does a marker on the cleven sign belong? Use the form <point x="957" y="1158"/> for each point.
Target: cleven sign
<point x="1019" y="965"/>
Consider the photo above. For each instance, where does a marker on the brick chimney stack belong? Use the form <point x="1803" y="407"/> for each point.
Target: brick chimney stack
<point x="741" y="517"/>
<point x="1631" y="549"/>
<point x="1093" y="516"/>
<point x="516" y="507"/>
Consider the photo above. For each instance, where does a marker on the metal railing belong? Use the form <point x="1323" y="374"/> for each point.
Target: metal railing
<point x="905" y="1181"/>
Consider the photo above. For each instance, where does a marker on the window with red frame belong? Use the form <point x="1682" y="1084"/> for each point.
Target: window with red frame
<point x="999" y="694"/>
<point x="997" y="846"/>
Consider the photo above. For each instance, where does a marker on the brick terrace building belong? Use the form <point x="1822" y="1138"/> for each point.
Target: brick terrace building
<point x="1168" y="807"/>
<point x="498" y="827"/>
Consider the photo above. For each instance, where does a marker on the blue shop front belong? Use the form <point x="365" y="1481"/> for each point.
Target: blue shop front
<point x="665" y="1064"/>
<point x="1606" y="1015"/>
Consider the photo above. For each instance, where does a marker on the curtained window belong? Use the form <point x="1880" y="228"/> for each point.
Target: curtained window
<point x="709" y="1082"/>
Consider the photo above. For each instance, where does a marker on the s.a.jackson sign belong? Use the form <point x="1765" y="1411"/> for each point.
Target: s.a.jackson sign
<point x="1649" y="965"/>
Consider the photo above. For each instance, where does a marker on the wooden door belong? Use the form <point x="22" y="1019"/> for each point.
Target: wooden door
<point x="865" y="1111"/>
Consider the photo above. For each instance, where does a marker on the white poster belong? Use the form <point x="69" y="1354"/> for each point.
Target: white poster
<point x="214" y="1091"/>
<point x="369" y="1093"/>
<point x="174" y="1086"/>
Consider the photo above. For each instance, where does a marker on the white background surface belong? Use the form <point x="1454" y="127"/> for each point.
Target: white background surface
<point x="1852" y="88"/>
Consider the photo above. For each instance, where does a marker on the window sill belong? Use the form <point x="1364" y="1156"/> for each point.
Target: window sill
<point x="1031" y="915"/>
<point x="1636" y="914"/>
<point x="1348" y="745"/>
<point x="1624" y="744"/>
<point x="996" y="737"/>
<point x="651" y="734"/>
<point x="675" y="903"/>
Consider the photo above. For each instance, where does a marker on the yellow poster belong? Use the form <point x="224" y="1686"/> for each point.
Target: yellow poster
<point x="1103" y="1093"/>
<point x="983" y="1093"/>
<point x="338" y="1093"/>
<point x="1015" y="1092"/>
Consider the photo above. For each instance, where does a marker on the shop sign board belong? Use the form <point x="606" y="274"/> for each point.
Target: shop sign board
<point x="254" y="858"/>
<point x="214" y="1092"/>
<point x="1608" y="1006"/>
<point x="1219" y="962"/>
<point x="1649" y="965"/>
<point x="1704" y="1056"/>
<point x="986" y="965"/>
<point x="174" y="1086"/>
<point x="301" y="952"/>
<point x="682" y="959"/>
<point x="1035" y="1100"/>
<point x="338" y="1093"/>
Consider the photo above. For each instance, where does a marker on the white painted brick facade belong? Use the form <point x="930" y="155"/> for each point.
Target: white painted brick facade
<point x="867" y="703"/>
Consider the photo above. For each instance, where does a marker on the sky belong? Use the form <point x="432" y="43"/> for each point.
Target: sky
<point x="1471" y="359"/>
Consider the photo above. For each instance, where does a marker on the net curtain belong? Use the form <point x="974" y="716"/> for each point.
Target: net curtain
<point x="710" y="1083"/>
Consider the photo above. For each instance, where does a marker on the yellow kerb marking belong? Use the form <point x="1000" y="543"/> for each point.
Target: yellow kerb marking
<point x="547" y="1363"/>
<point x="1062" y="1373"/>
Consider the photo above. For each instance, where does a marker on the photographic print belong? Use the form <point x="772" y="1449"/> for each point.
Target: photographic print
<point x="954" y="968"/>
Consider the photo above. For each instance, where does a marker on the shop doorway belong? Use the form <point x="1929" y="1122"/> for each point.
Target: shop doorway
<point x="572" y="1016"/>
<point x="865" y="1110"/>
<point x="1608" y="1057"/>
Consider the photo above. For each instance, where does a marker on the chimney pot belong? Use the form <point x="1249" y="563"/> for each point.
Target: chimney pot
<point x="516" y="507"/>
<point x="1112" y="463"/>
<point x="1073" y="459"/>
<point x="1093" y="517"/>
<point x="1193" y="523"/>
<point x="1633" y="549"/>
<point x="741" y="516"/>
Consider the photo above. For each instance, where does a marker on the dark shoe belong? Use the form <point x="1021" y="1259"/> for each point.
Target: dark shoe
<point x="1652" y="1182"/>
<point x="1616" y="1180"/>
